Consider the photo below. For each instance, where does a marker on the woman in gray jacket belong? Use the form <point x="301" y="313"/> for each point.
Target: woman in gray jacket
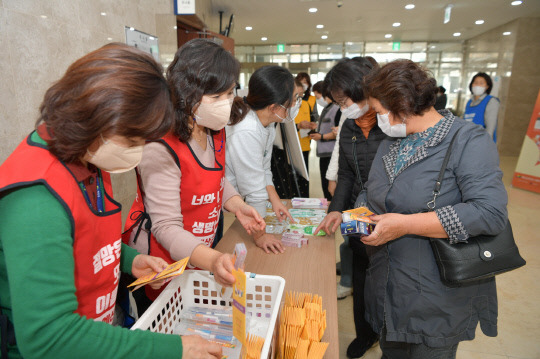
<point x="416" y="315"/>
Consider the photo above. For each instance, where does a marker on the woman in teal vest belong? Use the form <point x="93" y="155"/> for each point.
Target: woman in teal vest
<point x="483" y="108"/>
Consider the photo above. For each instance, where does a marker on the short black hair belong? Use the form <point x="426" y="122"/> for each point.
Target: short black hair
<point x="485" y="77"/>
<point x="318" y="87"/>
<point x="270" y="85"/>
<point x="347" y="78"/>
<point x="442" y="89"/>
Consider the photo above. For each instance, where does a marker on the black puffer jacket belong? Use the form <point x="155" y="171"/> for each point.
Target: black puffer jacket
<point x="351" y="166"/>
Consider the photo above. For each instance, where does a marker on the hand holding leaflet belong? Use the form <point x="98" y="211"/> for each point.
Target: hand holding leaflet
<point x="172" y="270"/>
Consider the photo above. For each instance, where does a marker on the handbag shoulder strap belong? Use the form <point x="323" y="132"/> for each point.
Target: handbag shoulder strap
<point x="438" y="184"/>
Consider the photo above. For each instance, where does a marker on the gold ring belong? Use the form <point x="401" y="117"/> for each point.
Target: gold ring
<point x="378" y="235"/>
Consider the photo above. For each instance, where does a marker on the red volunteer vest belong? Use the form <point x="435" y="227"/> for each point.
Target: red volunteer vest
<point x="201" y="191"/>
<point x="96" y="236"/>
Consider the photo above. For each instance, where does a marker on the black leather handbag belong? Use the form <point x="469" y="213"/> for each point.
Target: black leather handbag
<point x="480" y="257"/>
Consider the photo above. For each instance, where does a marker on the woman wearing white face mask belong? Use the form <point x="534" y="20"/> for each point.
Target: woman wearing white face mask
<point x="182" y="176"/>
<point x="421" y="317"/>
<point x="482" y="108"/>
<point x="60" y="235"/>
<point x="358" y="143"/>
<point x="271" y="99"/>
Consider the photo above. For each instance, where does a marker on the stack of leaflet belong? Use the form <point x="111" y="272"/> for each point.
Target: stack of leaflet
<point x="357" y="221"/>
<point x="306" y="221"/>
<point x="212" y="324"/>
<point x="309" y="203"/>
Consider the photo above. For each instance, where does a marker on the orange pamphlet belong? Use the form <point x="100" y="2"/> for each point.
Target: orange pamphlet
<point x="239" y="305"/>
<point x="362" y="214"/>
<point x="172" y="270"/>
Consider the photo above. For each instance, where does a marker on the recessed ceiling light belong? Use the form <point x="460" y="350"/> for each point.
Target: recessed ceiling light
<point x="517" y="2"/>
<point x="409" y="6"/>
<point x="506" y="33"/>
<point x="324" y="37"/>
<point x="175" y="27"/>
<point x="320" y="26"/>
<point x="264" y="38"/>
<point x="249" y="28"/>
<point x="43" y="16"/>
<point x="479" y="22"/>
<point x="109" y="38"/>
<point x="103" y="14"/>
<point x="396" y="24"/>
<point x="388" y="36"/>
<point x="312" y="9"/>
<point x="456" y="34"/>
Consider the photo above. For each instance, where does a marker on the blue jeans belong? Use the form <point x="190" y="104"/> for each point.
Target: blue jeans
<point x="345" y="252"/>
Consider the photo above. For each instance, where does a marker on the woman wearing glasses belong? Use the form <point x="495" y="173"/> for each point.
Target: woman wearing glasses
<point x="272" y="98"/>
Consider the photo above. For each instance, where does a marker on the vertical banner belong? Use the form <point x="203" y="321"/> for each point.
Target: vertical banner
<point x="527" y="174"/>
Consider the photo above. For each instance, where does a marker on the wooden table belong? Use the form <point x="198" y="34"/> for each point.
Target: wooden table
<point x="310" y="269"/>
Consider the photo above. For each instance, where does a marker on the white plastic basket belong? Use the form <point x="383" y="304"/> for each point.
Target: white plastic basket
<point x="198" y="288"/>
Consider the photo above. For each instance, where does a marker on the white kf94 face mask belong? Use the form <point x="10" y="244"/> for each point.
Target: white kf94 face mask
<point x="354" y="111"/>
<point x="399" y="130"/>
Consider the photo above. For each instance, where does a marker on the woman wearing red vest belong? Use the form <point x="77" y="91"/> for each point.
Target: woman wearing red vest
<point x="60" y="247"/>
<point x="182" y="176"/>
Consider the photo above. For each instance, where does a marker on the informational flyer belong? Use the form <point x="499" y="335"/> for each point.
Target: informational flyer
<point x="527" y="174"/>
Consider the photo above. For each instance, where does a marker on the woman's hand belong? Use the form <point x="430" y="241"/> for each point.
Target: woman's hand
<point x="144" y="264"/>
<point x="222" y="267"/>
<point x="389" y="227"/>
<point x="268" y="242"/>
<point x="304" y="125"/>
<point x="281" y="211"/>
<point x="335" y="130"/>
<point x="330" y="223"/>
<point x="315" y="136"/>
<point x="332" y="187"/>
<point x="195" y="347"/>
<point x="250" y="219"/>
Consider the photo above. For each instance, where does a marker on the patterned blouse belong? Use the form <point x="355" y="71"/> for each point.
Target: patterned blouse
<point x="409" y="145"/>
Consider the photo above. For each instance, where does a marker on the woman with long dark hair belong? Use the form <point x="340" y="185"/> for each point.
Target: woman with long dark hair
<point x="272" y="98"/>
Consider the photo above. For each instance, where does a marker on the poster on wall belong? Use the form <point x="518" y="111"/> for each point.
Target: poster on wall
<point x="527" y="174"/>
<point x="184" y="7"/>
<point x="143" y="41"/>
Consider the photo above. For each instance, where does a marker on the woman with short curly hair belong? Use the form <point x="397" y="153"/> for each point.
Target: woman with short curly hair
<point x="416" y="315"/>
<point x="182" y="175"/>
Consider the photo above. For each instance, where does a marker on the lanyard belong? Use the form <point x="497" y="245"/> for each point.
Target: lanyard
<point x="99" y="195"/>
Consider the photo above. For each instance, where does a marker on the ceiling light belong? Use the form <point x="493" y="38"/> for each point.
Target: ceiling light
<point x="320" y="26"/>
<point x="312" y="9"/>
<point x="517" y="2"/>
<point x="152" y="38"/>
<point x="109" y="38"/>
<point x="396" y="24"/>
<point x="249" y="28"/>
<point x="175" y="27"/>
<point x="388" y="36"/>
<point x="506" y="33"/>
<point x="324" y="37"/>
<point x="264" y="38"/>
<point x="479" y="22"/>
<point x="103" y="14"/>
<point x="409" y="6"/>
<point x="456" y="34"/>
<point x="43" y="16"/>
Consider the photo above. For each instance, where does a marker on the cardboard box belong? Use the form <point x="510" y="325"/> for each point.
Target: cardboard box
<point x="357" y="227"/>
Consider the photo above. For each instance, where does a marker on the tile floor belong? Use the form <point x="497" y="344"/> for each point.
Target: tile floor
<point x="518" y="291"/>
